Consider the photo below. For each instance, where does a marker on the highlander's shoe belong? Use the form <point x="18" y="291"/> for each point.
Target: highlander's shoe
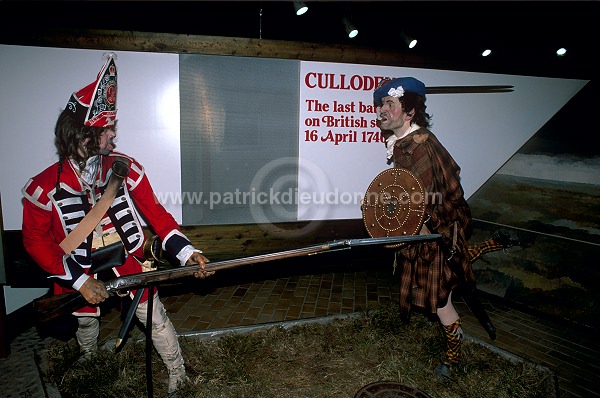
<point x="444" y="369"/>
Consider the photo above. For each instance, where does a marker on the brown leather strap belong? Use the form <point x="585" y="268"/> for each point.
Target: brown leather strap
<point x="454" y="237"/>
<point x="82" y="230"/>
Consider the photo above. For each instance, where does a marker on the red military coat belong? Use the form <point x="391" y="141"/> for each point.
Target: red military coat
<point x="427" y="276"/>
<point x="50" y="214"/>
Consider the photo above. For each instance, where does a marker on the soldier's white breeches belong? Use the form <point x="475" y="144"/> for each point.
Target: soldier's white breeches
<point x="87" y="334"/>
<point x="165" y="340"/>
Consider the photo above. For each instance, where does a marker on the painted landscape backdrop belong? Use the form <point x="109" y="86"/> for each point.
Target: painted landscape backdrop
<point x="548" y="194"/>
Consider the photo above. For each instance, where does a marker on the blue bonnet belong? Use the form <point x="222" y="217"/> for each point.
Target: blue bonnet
<point x="397" y="87"/>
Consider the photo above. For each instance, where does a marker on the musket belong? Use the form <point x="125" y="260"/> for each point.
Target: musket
<point x="51" y="307"/>
<point x="469" y="89"/>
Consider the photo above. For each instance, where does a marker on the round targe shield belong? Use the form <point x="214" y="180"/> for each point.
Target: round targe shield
<point x="394" y="205"/>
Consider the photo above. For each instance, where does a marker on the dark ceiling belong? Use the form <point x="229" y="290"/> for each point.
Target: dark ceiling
<point x="523" y="35"/>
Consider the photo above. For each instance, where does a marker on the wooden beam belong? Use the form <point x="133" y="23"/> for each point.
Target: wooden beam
<point x="212" y="45"/>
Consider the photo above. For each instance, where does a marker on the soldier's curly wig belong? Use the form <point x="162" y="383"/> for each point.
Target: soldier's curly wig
<point x="69" y="136"/>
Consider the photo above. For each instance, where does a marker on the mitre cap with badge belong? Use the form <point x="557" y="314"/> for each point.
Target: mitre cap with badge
<point x="397" y="87"/>
<point x="96" y="104"/>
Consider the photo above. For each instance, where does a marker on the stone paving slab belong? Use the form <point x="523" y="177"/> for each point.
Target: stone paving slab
<point x="19" y="372"/>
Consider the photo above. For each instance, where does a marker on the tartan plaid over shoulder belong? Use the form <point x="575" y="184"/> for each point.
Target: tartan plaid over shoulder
<point x="427" y="277"/>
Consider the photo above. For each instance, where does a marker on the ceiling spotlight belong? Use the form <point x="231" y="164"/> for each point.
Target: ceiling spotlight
<point x="561" y="51"/>
<point x="300" y="7"/>
<point x="350" y="29"/>
<point x="486" y="52"/>
<point x="410" y="42"/>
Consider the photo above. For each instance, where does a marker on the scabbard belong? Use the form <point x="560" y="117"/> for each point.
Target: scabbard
<point x="469" y="294"/>
<point x="126" y="326"/>
<point x="474" y="304"/>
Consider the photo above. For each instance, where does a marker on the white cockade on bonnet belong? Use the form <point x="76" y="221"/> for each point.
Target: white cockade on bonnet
<point x="396" y="92"/>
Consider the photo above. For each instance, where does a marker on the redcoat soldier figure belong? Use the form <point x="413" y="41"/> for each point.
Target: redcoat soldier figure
<point x="58" y="202"/>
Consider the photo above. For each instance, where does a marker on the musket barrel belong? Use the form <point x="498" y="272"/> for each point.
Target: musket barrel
<point x="53" y="306"/>
<point x="392" y="239"/>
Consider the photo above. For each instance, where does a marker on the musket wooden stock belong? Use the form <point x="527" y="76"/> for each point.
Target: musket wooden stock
<point x="52" y="307"/>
